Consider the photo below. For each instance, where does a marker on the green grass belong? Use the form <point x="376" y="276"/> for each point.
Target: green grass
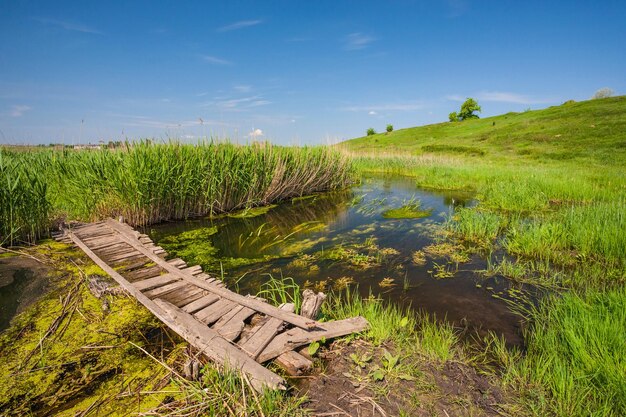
<point x="148" y="183"/>
<point x="576" y="359"/>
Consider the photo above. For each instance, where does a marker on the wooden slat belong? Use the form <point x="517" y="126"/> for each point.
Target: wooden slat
<point x="148" y="284"/>
<point x="150" y="272"/>
<point x="182" y="298"/>
<point x="212" y="313"/>
<point x="259" y="306"/>
<point x="294" y="363"/>
<point x="200" y="303"/>
<point x="166" y="289"/>
<point x="293" y="338"/>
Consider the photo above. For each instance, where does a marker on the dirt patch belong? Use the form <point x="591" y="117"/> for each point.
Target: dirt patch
<point x="351" y="385"/>
<point x="23" y="281"/>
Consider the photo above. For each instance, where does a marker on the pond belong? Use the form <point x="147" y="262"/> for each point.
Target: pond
<point x="381" y="237"/>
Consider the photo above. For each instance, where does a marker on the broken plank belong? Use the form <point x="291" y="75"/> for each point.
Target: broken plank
<point x="218" y="349"/>
<point x="294" y="338"/>
<point x="184" y="297"/>
<point x="294" y="363"/>
<point x="265" y="332"/>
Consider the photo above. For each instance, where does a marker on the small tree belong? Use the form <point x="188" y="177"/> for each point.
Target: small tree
<point x="603" y="93"/>
<point x="467" y="111"/>
<point x="389" y="128"/>
<point x="468" y="108"/>
<point x="371" y="131"/>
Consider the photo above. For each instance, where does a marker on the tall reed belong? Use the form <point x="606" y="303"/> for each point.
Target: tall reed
<point x="148" y="183"/>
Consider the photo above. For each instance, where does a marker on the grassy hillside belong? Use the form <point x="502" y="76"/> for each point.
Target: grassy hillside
<point x="551" y="191"/>
<point x="590" y="130"/>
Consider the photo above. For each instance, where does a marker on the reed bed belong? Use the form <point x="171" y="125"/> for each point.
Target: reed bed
<point x="148" y="183"/>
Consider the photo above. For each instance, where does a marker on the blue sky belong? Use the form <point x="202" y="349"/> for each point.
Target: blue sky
<point x="293" y="72"/>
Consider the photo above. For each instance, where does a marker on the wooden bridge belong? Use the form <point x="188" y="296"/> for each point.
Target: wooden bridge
<point x="233" y="330"/>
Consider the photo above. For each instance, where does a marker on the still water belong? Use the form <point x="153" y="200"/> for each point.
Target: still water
<point x="382" y="237"/>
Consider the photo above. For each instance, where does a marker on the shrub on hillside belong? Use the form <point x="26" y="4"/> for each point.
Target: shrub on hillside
<point x="389" y="128"/>
<point x="603" y="93"/>
<point x="371" y="131"/>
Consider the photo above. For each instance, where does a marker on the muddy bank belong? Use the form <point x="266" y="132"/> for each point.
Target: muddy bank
<point x="23" y="281"/>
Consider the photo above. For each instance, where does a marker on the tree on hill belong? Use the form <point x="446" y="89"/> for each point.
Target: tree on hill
<point x="467" y="111"/>
<point x="603" y="93"/>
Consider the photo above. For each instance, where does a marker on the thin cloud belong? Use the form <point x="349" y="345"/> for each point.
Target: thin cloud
<point x="375" y="109"/>
<point x="239" y="25"/>
<point x="238" y="104"/>
<point x="70" y="26"/>
<point x="215" y="60"/>
<point x="357" y="41"/>
<point x="243" y="88"/>
<point x="18" y="110"/>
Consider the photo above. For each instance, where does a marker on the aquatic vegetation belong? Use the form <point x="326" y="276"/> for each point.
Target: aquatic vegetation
<point x="281" y="291"/>
<point x="454" y="253"/>
<point x="419" y="258"/>
<point x="408" y="211"/>
<point x="342" y="283"/>
<point x="387" y="282"/>
<point x="250" y="212"/>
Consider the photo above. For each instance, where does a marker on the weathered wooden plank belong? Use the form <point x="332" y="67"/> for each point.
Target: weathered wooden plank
<point x="218" y="349"/>
<point x="193" y="270"/>
<point x="166" y="289"/>
<point x="257" y="305"/>
<point x="212" y="313"/>
<point x="177" y="262"/>
<point x="293" y="338"/>
<point x="148" y="284"/>
<point x="230" y="325"/>
<point x="182" y="298"/>
<point x="122" y="255"/>
<point x="264" y="333"/>
<point x="200" y="303"/>
<point x="294" y="363"/>
<point x="146" y="273"/>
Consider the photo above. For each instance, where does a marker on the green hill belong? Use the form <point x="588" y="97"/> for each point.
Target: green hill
<point x="593" y="130"/>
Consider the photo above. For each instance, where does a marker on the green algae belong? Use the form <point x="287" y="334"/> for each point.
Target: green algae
<point x="409" y="211"/>
<point x="250" y="212"/>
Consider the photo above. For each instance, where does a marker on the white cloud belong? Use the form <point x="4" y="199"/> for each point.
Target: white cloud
<point x="501" y="97"/>
<point x="256" y="133"/>
<point x="215" y="60"/>
<point x="372" y="113"/>
<point x="374" y="109"/>
<point x="74" y="27"/>
<point x="238" y="104"/>
<point x="19" y="110"/>
<point x="356" y="41"/>
<point x="239" y="25"/>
